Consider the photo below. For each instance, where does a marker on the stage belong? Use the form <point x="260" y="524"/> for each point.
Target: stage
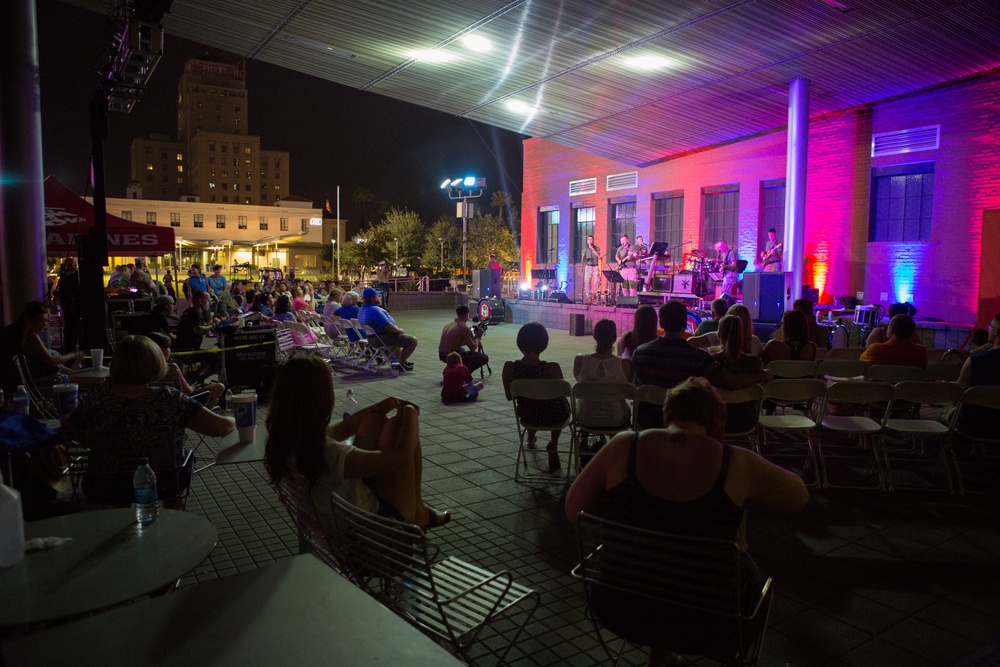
<point x="566" y="317"/>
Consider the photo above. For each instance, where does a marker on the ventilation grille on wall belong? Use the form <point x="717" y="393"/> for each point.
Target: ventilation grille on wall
<point x="906" y="141"/>
<point x="587" y="186"/>
<point x="623" y="181"/>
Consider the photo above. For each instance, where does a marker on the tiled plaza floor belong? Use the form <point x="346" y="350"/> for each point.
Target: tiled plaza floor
<point x="862" y="577"/>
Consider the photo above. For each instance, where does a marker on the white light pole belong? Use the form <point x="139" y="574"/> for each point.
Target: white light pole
<point x="465" y="189"/>
<point x="333" y="256"/>
<point x="397" y="256"/>
<point x="442" y="253"/>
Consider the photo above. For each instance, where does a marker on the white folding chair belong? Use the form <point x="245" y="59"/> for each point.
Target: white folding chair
<point x="931" y="400"/>
<point x="809" y="392"/>
<point x="867" y="401"/>
<point x="539" y="390"/>
<point x="587" y="395"/>
<point x="836" y="370"/>
<point x="944" y="371"/>
<point x="648" y="397"/>
<point x="792" y="368"/>
<point x="976" y="421"/>
<point x="743" y="413"/>
<point x="893" y="374"/>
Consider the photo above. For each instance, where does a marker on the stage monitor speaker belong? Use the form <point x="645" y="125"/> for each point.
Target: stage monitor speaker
<point x="628" y="301"/>
<point x="559" y="297"/>
<point x="767" y="295"/>
<point x="811" y="293"/>
<point x="577" y="324"/>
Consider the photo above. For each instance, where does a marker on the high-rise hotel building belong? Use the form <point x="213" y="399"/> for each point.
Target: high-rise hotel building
<point x="214" y="157"/>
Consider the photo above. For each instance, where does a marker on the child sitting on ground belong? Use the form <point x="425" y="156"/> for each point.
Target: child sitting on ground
<point x="458" y="384"/>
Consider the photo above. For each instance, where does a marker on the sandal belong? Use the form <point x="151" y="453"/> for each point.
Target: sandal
<point x="436" y="519"/>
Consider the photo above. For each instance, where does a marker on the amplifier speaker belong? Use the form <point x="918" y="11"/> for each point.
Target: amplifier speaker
<point x="628" y="301"/>
<point x="559" y="297"/>
<point x="577" y="325"/>
<point x="767" y="295"/>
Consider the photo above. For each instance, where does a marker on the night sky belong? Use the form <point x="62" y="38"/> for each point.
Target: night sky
<point x="335" y="135"/>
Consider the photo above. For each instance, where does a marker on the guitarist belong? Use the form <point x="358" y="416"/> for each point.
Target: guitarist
<point x="770" y="258"/>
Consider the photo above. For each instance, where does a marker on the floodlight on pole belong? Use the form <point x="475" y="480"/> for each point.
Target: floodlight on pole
<point x="469" y="187"/>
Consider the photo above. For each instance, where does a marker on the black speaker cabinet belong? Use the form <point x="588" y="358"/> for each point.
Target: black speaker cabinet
<point x="767" y="295"/>
<point x="485" y="283"/>
<point x="628" y="301"/>
<point x="559" y="297"/>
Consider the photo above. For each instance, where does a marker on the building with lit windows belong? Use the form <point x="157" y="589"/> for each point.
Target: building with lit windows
<point x="214" y="157"/>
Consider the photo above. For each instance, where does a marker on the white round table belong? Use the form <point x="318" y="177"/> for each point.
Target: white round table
<point x="110" y="560"/>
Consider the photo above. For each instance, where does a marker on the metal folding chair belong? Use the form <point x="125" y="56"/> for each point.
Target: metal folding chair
<point x="976" y="421"/>
<point x="867" y="401"/>
<point x="539" y="390"/>
<point x="449" y="600"/>
<point x="593" y="392"/>
<point x="809" y="392"/>
<point x="743" y="413"/>
<point x="698" y="589"/>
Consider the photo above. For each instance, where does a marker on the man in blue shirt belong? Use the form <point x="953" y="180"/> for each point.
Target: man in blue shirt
<point x="377" y="318"/>
<point x="195" y="282"/>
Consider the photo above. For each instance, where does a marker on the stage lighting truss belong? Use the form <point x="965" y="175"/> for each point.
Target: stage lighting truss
<point x="135" y="47"/>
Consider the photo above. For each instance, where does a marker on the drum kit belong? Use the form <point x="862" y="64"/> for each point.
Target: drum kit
<point x="698" y="263"/>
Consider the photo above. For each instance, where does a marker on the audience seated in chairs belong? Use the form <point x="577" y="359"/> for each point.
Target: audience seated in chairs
<point x="603" y="366"/>
<point x="794" y="343"/>
<point x="174" y="378"/>
<point x="23" y="337"/>
<point x="732" y="357"/>
<point x="643" y="330"/>
<point x="385" y="450"/>
<point x="532" y="339"/>
<point x="900" y="349"/>
<point x="131" y="402"/>
<point x="680" y="480"/>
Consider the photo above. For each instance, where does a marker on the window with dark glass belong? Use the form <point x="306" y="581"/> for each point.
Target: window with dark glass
<point x="720" y="209"/>
<point x="901" y="203"/>
<point x="621" y="212"/>
<point x="584" y="216"/>
<point x="668" y="221"/>
<point x="548" y="235"/>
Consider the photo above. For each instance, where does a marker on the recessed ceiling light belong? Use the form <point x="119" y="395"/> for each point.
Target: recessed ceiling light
<point x="431" y="56"/>
<point x="320" y="47"/>
<point x="651" y="62"/>
<point x="517" y="106"/>
<point x="477" y="43"/>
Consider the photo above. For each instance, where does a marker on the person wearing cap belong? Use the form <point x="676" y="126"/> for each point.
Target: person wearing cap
<point x="377" y="318"/>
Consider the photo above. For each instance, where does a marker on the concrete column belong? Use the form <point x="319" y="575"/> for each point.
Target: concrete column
<point x="795" y="181"/>
<point x="22" y="204"/>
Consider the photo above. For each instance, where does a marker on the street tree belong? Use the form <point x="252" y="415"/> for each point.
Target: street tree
<point x="446" y="230"/>
<point x="406" y="229"/>
<point x="490" y="235"/>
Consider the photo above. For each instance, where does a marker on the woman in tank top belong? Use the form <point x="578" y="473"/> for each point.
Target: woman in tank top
<point x="678" y="479"/>
<point x="603" y="367"/>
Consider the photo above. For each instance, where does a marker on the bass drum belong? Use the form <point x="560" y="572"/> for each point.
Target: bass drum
<point x="693" y="320"/>
<point x="839" y="336"/>
<point x="491" y="310"/>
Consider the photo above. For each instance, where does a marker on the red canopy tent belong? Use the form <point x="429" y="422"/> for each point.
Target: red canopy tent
<point x="67" y="215"/>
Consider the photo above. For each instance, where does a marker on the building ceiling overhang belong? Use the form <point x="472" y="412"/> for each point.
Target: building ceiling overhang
<point x="636" y="81"/>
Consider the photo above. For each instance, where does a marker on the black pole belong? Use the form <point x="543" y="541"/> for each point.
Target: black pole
<point x="92" y="248"/>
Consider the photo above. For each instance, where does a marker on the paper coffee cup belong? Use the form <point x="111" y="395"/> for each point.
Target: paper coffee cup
<point x="66" y="398"/>
<point x="245" y="412"/>
<point x="97" y="356"/>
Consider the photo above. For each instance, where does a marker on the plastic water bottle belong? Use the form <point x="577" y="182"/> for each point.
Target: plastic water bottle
<point x="144" y="483"/>
<point x="229" y="400"/>
<point x="11" y="527"/>
<point x="22" y="402"/>
<point x="352" y="403"/>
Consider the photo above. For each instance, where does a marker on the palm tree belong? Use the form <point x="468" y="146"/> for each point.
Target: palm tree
<point x="501" y="201"/>
<point x="363" y="198"/>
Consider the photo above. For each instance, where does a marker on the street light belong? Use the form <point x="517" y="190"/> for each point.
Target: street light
<point x="333" y="257"/>
<point x="441" y="268"/>
<point x="465" y="189"/>
<point x="397" y="256"/>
